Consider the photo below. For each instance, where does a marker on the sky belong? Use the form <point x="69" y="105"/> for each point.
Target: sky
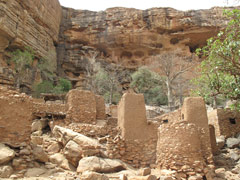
<point x="99" y="5"/>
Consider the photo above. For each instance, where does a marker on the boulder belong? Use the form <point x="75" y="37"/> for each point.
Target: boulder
<point x="39" y="154"/>
<point x="60" y="160"/>
<point x="144" y="172"/>
<point x="54" y="148"/>
<point x="233" y="142"/>
<point x="100" y="165"/>
<point x="88" y="175"/>
<point x="35" y="172"/>
<point x="6" y="154"/>
<point x="73" y="152"/>
<point x="64" y="135"/>
<point x="234" y="156"/>
<point x="5" y="171"/>
<point x="149" y="177"/>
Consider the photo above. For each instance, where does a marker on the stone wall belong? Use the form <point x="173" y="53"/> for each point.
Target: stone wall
<point x="179" y="148"/>
<point x="100" y="107"/>
<point x="15" y="117"/>
<point x="226" y="122"/>
<point x="194" y="111"/>
<point x="213" y="139"/>
<point x="81" y="106"/>
<point x="138" y="153"/>
<point x="184" y="142"/>
<point x="137" y="138"/>
<point x="43" y="109"/>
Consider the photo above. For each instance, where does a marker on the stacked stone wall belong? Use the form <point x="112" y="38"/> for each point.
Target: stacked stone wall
<point x="81" y="106"/>
<point x="15" y="117"/>
<point x="226" y="122"/>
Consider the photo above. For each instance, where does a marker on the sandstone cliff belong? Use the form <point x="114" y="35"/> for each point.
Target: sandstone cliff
<point x="30" y="23"/>
<point x="131" y="36"/>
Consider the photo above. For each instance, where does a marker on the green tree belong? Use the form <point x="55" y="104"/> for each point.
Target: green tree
<point x="23" y="61"/>
<point x="150" y="84"/>
<point x="220" y="69"/>
<point x="63" y="86"/>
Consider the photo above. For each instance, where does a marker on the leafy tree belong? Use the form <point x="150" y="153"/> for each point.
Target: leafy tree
<point x="23" y="61"/>
<point x="220" y="69"/>
<point x="150" y="84"/>
<point x="62" y="86"/>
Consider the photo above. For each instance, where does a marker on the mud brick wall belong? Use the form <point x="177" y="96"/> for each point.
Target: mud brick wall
<point x="194" y="111"/>
<point x="226" y="122"/>
<point x="15" y="117"/>
<point x="81" y="106"/>
<point x="100" y="107"/>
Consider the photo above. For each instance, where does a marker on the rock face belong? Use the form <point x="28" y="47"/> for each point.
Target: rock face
<point x="100" y="165"/>
<point x="130" y="36"/>
<point x="6" y="154"/>
<point x="30" y="23"/>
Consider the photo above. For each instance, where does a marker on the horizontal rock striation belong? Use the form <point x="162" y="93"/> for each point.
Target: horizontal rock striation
<point x="130" y="36"/>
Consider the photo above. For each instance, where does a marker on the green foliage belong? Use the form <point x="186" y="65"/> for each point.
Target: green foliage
<point x="43" y="87"/>
<point x="220" y="70"/>
<point x="62" y="86"/>
<point x="47" y="69"/>
<point x="150" y="84"/>
<point x="23" y="61"/>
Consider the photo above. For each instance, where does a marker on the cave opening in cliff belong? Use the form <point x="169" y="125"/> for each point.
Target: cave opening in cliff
<point x="193" y="47"/>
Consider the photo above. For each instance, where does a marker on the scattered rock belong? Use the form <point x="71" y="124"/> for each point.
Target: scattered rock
<point x="60" y="160"/>
<point x="5" y="171"/>
<point x="73" y="152"/>
<point x="54" y="148"/>
<point x="6" y="154"/>
<point x="233" y="142"/>
<point x="234" y="156"/>
<point x="35" y="172"/>
<point x="39" y="154"/>
<point x="149" y="177"/>
<point x="100" y="165"/>
<point x="144" y="172"/>
<point x="87" y="175"/>
<point x="36" y="140"/>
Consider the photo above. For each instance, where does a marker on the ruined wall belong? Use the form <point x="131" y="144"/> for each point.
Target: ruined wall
<point x="213" y="139"/>
<point x="81" y="106"/>
<point x="31" y="23"/>
<point x="184" y="142"/>
<point x="194" y="111"/>
<point x="15" y="117"/>
<point x="226" y="122"/>
<point x="137" y="138"/>
<point x="179" y="148"/>
<point x="132" y="118"/>
<point x="100" y="107"/>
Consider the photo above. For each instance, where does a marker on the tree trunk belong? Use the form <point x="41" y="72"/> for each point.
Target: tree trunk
<point x="111" y="94"/>
<point x="214" y="102"/>
<point x="169" y="95"/>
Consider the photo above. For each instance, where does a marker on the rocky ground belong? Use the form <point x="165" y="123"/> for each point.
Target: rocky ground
<point x="66" y="155"/>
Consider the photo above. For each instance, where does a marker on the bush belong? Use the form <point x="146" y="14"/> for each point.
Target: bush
<point x="150" y="84"/>
<point x="63" y="86"/>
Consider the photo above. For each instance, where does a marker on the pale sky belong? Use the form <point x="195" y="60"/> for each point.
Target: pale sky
<point x="98" y="5"/>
